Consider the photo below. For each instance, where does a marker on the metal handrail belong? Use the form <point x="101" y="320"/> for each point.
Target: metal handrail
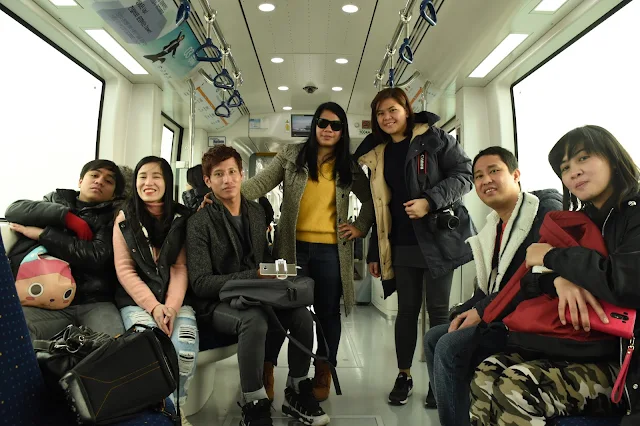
<point x="396" y="35"/>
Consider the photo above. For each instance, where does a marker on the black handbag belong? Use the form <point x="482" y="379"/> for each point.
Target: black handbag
<point x="134" y="372"/>
<point x="65" y="350"/>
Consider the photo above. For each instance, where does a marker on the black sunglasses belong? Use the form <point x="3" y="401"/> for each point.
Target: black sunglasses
<point x="336" y="125"/>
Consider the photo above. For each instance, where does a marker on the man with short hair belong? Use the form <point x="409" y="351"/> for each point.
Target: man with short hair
<point x="225" y="241"/>
<point x="498" y="251"/>
<point x="74" y="226"/>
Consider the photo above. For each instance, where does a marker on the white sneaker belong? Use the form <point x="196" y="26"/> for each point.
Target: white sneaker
<point x="185" y="422"/>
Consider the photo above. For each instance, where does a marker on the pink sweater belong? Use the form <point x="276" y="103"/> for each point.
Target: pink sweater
<point x="138" y="289"/>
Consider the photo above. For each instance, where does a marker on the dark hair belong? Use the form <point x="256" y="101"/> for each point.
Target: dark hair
<point x="112" y="167"/>
<point x="598" y="141"/>
<point x="308" y="155"/>
<point x="195" y="177"/>
<point x="127" y="174"/>
<point x="137" y="213"/>
<point x="399" y="96"/>
<point x="217" y="155"/>
<point x="505" y="155"/>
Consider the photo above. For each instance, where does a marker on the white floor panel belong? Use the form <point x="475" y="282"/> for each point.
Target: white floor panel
<point x="367" y="370"/>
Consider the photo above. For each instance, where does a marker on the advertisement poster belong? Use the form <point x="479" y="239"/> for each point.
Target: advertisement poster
<point x="148" y="26"/>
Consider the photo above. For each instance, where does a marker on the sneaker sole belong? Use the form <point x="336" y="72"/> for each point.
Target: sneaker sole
<point x="403" y="402"/>
<point x="307" y="420"/>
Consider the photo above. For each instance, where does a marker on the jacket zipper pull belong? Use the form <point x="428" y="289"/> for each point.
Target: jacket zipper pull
<point x="618" y="387"/>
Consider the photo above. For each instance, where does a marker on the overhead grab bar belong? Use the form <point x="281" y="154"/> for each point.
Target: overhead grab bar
<point x="406" y="54"/>
<point x="430" y="17"/>
<point x="183" y="12"/>
<point x="396" y="35"/>
<point x="192" y="120"/>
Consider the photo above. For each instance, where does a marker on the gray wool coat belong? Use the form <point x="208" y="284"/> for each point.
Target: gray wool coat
<point x="283" y="169"/>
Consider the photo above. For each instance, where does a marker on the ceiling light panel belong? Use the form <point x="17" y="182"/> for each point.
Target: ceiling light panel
<point x="549" y="5"/>
<point x="105" y="40"/>
<point x="494" y="58"/>
<point x="63" y="2"/>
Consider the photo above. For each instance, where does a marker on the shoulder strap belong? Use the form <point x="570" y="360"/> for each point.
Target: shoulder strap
<point x="272" y="315"/>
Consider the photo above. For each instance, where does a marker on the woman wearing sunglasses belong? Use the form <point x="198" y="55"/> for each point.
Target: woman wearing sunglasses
<point x="313" y="230"/>
<point x="418" y="177"/>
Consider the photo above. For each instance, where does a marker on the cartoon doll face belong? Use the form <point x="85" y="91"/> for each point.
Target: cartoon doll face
<point x="47" y="285"/>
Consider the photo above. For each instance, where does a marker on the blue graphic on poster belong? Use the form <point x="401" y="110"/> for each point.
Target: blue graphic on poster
<point x="148" y="25"/>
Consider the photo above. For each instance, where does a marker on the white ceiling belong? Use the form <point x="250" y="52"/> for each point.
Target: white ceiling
<point x="310" y="34"/>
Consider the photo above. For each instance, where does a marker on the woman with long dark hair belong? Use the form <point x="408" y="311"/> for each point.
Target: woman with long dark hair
<point x="600" y="179"/>
<point x="313" y="230"/>
<point x="150" y="258"/>
<point x="419" y="174"/>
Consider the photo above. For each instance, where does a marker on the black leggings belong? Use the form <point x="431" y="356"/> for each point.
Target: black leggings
<point x="409" y="287"/>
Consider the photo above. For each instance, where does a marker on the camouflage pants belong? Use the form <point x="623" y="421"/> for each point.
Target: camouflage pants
<point x="508" y="390"/>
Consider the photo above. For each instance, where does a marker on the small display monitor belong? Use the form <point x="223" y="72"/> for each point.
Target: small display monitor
<point x="301" y="125"/>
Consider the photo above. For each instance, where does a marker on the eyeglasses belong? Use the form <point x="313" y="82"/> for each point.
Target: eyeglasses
<point x="336" y="125"/>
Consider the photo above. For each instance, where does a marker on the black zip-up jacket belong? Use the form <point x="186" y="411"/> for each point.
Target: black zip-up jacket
<point x="215" y="253"/>
<point x="91" y="262"/>
<point x="615" y="279"/>
<point x="448" y="177"/>
<point x="155" y="274"/>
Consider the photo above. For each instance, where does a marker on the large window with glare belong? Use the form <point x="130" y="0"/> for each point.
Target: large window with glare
<point x="592" y="81"/>
<point x="50" y="115"/>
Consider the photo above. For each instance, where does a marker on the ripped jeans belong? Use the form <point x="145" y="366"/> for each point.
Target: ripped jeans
<point x="185" y="339"/>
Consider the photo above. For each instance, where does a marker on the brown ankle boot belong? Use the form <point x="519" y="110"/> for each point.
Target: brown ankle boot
<point x="268" y="380"/>
<point x="321" y="381"/>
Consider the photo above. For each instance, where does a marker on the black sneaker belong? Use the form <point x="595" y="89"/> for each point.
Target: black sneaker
<point x="430" y="402"/>
<point x="303" y="406"/>
<point x="402" y="390"/>
<point x="256" y="413"/>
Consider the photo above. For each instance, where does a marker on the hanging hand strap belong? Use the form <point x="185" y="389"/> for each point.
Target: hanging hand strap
<point x="428" y="12"/>
<point x="235" y="101"/>
<point x="183" y="12"/>
<point x="223" y="80"/>
<point x="406" y="54"/>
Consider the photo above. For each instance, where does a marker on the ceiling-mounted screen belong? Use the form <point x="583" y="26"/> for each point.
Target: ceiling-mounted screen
<point x="301" y="125"/>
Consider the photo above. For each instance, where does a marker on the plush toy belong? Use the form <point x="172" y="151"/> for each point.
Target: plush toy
<point x="45" y="281"/>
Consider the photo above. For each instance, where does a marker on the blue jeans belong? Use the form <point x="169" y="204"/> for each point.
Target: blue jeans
<point x="185" y="339"/>
<point x="449" y="380"/>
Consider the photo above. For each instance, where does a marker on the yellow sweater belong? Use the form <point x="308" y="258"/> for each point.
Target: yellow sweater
<point x="317" y="214"/>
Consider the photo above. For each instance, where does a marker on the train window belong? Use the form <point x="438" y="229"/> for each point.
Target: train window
<point x="166" y="149"/>
<point x="592" y="81"/>
<point x="50" y="112"/>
